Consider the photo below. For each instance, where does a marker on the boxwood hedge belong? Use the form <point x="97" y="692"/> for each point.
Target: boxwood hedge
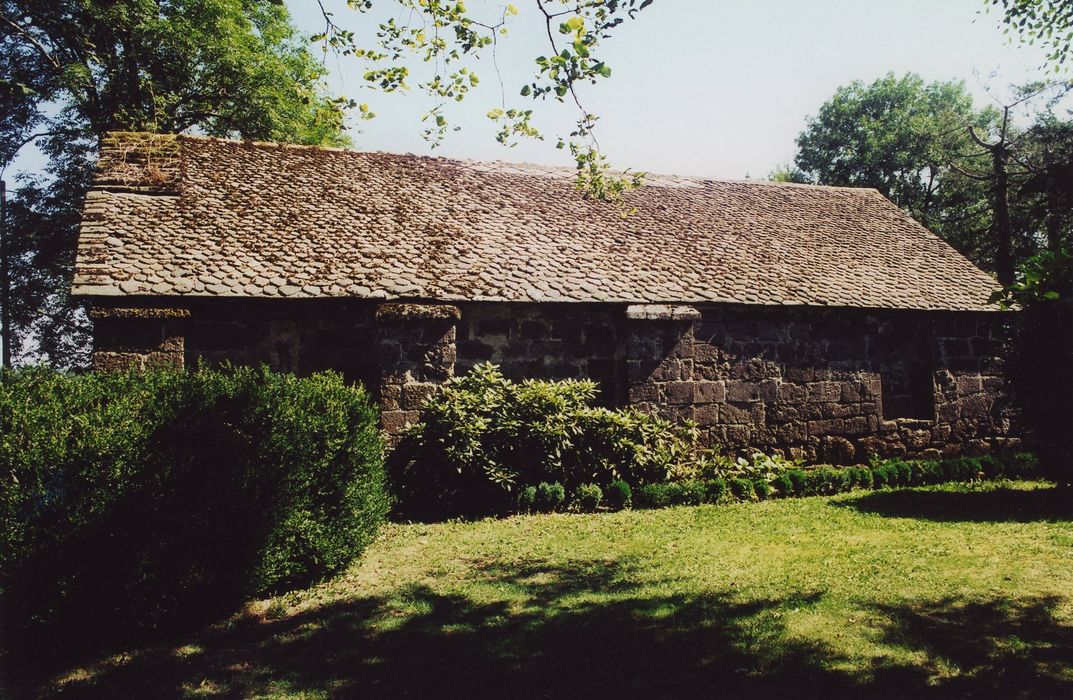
<point x="132" y="501"/>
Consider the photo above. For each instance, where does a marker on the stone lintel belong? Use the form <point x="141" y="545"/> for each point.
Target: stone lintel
<point x="427" y="312"/>
<point x="661" y="312"/>
<point x="156" y="312"/>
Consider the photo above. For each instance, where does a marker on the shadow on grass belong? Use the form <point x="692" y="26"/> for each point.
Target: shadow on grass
<point x="992" y="505"/>
<point x="1009" y="649"/>
<point x="587" y="631"/>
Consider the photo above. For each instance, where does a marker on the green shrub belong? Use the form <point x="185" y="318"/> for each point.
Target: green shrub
<point x="901" y="473"/>
<point x="961" y="469"/>
<point x="862" y="477"/>
<point x="527" y="499"/>
<point x="137" y="501"/>
<point x="689" y="493"/>
<point x="992" y="467"/>
<point x="715" y="490"/>
<point x="826" y="481"/>
<point x="483" y="436"/>
<point x="881" y="476"/>
<point x="587" y="498"/>
<point x="549" y="497"/>
<point x="784" y="485"/>
<point x="762" y="489"/>
<point x="742" y="488"/>
<point x="1022" y="465"/>
<point x="797" y="478"/>
<point x="619" y="495"/>
<point x="758" y="466"/>
<point x="653" y="496"/>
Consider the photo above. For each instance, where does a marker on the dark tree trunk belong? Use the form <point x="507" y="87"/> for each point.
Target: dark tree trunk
<point x="1001" y="226"/>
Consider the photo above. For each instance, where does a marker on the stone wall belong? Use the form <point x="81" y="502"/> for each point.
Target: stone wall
<point x="547" y="341"/>
<point x="834" y="385"/>
<point x="830" y="384"/>
<point x="416" y="350"/>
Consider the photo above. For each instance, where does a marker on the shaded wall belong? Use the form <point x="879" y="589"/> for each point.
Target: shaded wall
<point x="832" y="384"/>
<point x="836" y="385"/>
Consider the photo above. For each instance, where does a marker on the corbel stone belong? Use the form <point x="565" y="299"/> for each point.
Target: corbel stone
<point x="661" y="312"/>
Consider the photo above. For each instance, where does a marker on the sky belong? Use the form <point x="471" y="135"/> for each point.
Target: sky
<point x="710" y="88"/>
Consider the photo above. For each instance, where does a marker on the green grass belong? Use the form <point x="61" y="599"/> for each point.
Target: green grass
<point x="937" y="592"/>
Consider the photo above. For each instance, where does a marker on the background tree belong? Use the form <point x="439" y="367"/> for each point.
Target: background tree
<point x="75" y="69"/>
<point x="981" y="178"/>
<point x="1049" y="22"/>
<point x="898" y="136"/>
<point x="1038" y="363"/>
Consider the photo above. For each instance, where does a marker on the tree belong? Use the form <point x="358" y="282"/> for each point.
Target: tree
<point x="75" y="69"/>
<point x="897" y="135"/>
<point x="1048" y="190"/>
<point x="450" y="39"/>
<point x="1049" y="22"/>
<point x="789" y="173"/>
<point x="1038" y="362"/>
<point x="1008" y="152"/>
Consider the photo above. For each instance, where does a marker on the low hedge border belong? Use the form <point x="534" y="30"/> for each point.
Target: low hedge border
<point x="820" y="480"/>
<point x="824" y="480"/>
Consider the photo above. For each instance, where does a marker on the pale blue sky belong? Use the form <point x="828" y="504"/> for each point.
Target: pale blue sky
<point x="710" y="87"/>
<point x="716" y="88"/>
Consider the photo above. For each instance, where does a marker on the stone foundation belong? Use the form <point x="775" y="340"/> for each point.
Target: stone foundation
<point x="836" y="385"/>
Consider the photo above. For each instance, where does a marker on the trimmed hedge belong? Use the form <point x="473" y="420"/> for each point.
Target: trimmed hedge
<point x="619" y="495"/>
<point x="826" y="480"/>
<point x="134" y="501"/>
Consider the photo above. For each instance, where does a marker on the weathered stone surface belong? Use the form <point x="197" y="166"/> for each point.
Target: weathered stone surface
<point x="832" y="384"/>
<point x="751" y="377"/>
<point x="393" y="422"/>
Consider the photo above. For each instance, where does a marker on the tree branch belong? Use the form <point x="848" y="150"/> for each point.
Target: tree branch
<point x="33" y="40"/>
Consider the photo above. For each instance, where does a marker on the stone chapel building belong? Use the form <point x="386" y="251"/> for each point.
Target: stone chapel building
<point x="820" y="321"/>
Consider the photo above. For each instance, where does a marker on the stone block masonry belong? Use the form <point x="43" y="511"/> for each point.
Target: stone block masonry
<point x="836" y="385"/>
<point x="830" y="385"/>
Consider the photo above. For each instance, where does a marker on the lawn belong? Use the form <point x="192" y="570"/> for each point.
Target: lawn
<point x="942" y="591"/>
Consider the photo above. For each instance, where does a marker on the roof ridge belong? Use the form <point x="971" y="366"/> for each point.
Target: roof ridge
<point x="565" y="169"/>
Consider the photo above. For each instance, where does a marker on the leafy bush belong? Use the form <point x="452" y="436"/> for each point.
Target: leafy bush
<point x="549" y="497"/>
<point x="862" y="477"/>
<point x="715" y="490"/>
<point x="527" y="499"/>
<point x="783" y="485"/>
<point x="483" y="437"/>
<point x="797" y="479"/>
<point x="881" y="476"/>
<point x="134" y="501"/>
<point x="689" y="493"/>
<point x="992" y="467"/>
<point x="654" y="495"/>
<point x="758" y="466"/>
<point x="825" y="481"/>
<point x="742" y="488"/>
<point x="619" y="495"/>
<point x="961" y="469"/>
<point x="900" y="473"/>
<point x="1022" y="465"/>
<point x="762" y="489"/>
<point x="587" y="498"/>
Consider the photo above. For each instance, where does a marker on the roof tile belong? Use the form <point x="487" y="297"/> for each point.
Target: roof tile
<point x="219" y="217"/>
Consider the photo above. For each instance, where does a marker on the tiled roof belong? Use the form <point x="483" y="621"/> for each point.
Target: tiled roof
<point x="210" y="217"/>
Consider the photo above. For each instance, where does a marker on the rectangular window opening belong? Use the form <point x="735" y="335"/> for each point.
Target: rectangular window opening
<point x="908" y="391"/>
